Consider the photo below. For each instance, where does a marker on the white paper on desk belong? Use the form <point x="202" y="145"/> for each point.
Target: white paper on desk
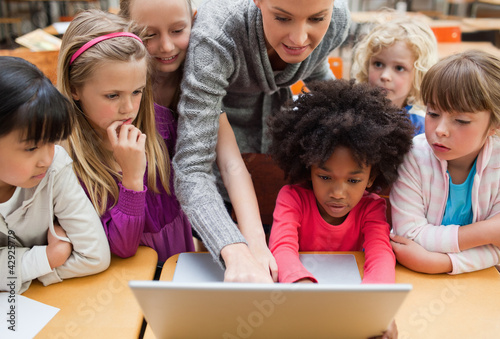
<point x="326" y="268"/>
<point x="61" y="27"/>
<point x="30" y="316"/>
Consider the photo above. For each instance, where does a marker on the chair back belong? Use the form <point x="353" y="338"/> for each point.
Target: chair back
<point x="447" y="33"/>
<point x="336" y="65"/>
<point x="267" y="180"/>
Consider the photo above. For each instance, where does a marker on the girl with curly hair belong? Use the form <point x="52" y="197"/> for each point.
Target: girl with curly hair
<point x="335" y="143"/>
<point x="395" y="55"/>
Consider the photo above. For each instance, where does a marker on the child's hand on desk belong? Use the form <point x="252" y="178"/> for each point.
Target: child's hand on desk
<point x="415" y="257"/>
<point x="265" y="258"/>
<point x="241" y="265"/>
<point x="58" y="251"/>
<point x="305" y="281"/>
<point x="390" y="333"/>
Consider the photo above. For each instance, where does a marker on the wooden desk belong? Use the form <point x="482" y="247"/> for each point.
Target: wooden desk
<point x="448" y="48"/>
<point x="97" y="306"/>
<point x="480" y="24"/>
<point x="439" y="306"/>
<point x="383" y="16"/>
<point x="46" y="61"/>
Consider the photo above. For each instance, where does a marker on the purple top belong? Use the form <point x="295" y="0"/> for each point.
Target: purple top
<point x="146" y="218"/>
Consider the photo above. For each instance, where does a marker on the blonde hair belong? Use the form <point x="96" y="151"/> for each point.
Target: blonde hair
<point x="125" y="13"/>
<point x="465" y="82"/>
<point x="125" y="8"/>
<point x="417" y="35"/>
<point x="92" y="163"/>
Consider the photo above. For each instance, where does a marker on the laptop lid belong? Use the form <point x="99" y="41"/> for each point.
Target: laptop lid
<point x="245" y="310"/>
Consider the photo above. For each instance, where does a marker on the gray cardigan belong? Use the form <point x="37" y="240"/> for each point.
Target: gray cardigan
<point x="227" y="69"/>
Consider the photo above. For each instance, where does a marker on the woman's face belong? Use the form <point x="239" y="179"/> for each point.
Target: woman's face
<point x="294" y="28"/>
<point x="168" y="24"/>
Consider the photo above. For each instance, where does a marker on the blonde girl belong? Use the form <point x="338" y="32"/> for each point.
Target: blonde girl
<point x="120" y="157"/>
<point x="168" y="27"/>
<point x="395" y="55"/>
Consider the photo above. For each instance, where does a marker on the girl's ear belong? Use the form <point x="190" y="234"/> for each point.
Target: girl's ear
<point x="492" y="130"/>
<point x="370" y="182"/>
<point x="373" y="176"/>
<point x="74" y="94"/>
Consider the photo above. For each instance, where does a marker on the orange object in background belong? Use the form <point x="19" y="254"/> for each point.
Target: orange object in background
<point x="447" y="33"/>
<point x="297" y="87"/>
<point x="336" y="67"/>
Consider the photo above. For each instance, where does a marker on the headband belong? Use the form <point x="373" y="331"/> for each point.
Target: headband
<point x="99" y="39"/>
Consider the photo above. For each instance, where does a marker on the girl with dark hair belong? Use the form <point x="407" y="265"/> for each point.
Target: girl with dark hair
<point x="48" y="228"/>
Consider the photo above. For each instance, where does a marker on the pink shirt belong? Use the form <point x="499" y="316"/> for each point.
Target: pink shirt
<point x="298" y="226"/>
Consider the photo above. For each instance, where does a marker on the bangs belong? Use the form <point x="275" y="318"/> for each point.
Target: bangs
<point x="45" y="117"/>
<point x="456" y="87"/>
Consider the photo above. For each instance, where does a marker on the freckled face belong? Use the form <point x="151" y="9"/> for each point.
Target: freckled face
<point x="294" y="28"/>
<point x="339" y="184"/>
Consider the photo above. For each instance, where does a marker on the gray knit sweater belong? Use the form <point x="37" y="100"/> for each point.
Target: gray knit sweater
<point x="227" y="69"/>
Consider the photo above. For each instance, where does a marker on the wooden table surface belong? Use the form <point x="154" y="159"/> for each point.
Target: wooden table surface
<point x="100" y="305"/>
<point x="439" y="306"/>
<point x="447" y="48"/>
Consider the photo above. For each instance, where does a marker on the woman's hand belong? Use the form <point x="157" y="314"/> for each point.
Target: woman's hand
<point x="264" y="256"/>
<point x="241" y="265"/>
<point x="129" y="150"/>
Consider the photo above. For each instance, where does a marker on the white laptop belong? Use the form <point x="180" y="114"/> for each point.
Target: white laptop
<point x="271" y="311"/>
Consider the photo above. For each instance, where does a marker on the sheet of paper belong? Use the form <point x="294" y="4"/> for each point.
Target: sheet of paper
<point x="39" y="40"/>
<point x="61" y="27"/>
<point x="327" y="268"/>
<point x="25" y="317"/>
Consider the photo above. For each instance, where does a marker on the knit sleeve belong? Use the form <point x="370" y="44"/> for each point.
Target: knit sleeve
<point x="124" y="222"/>
<point x="208" y="67"/>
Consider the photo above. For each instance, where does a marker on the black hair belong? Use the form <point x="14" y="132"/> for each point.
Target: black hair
<point x="338" y="113"/>
<point x="30" y="103"/>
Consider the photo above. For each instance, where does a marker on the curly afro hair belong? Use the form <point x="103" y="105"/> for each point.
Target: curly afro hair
<point x="340" y="113"/>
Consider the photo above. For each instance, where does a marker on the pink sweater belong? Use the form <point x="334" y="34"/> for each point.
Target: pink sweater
<point x="418" y="200"/>
<point x="298" y="226"/>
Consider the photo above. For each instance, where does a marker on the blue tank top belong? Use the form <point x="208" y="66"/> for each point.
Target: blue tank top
<point x="459" y="205"/>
